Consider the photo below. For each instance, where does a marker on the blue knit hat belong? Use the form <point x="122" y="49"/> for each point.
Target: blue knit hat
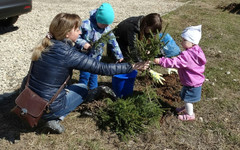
<point x="105" y="14"/>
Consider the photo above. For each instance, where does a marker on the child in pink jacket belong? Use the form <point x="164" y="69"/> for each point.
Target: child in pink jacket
<point x="191" y="65"/>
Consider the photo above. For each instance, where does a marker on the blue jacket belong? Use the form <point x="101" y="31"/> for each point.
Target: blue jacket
<point x="92" y="33"/>
<point x="53" y="67"/>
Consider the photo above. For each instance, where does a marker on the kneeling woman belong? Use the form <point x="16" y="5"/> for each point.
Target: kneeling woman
<point x="53" y="61"/>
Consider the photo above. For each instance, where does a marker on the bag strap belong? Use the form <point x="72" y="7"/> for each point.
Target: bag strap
<point x="59" y="90"/>
<point x="29" y="72"/>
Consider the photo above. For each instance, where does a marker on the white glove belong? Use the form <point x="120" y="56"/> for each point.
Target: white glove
<point x="171" y="70"/>
<point x="157" y="77"/>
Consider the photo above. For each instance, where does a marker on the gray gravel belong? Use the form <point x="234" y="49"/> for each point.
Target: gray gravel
<point x="16" y="46"/>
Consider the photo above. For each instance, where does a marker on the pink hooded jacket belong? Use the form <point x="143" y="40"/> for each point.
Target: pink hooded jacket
<point x="190" y="64"/>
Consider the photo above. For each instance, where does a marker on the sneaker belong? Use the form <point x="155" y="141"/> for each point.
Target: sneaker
<point x="181" y="109"/>
<point x="92" y="95"/>
<point x="54" y="126"/>
<point x="186" y="117"/>
<point x="108" y="92"/>
<point x="99" y="93"/>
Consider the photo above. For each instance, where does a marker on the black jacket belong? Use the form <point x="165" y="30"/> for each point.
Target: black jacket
<point x="126" y="33"/>
<point x="51" y="70"/>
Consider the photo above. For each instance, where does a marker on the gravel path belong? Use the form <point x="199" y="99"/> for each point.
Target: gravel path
<point x="16" y="46"/>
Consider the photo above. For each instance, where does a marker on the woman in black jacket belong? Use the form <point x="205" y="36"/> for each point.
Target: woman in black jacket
<point x="53" y="61"/>
<point x="136" y="27"/>
<point x="128" y="30"/>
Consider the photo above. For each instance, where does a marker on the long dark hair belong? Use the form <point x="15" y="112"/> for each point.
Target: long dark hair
<point x="151" y="22"/>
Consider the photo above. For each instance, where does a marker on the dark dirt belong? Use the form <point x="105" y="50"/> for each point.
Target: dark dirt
<point x="168" y="93"/>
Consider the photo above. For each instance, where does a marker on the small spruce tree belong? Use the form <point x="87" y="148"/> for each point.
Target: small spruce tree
<point x="151" y="47"/>
<point x="131" y="116"/>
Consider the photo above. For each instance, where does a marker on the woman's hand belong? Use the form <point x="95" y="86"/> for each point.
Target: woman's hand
<point x="141" y="65"/>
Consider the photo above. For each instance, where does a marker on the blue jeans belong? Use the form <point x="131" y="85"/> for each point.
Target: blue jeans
<point x="74" y="97"/>
<point x="89" y="78"/>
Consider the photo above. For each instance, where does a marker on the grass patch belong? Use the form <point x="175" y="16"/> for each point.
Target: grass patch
<point x="220" y="40"/>
<point x="221" y="130"/>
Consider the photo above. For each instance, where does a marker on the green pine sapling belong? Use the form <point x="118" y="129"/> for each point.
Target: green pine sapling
<point x="148" y="49"/>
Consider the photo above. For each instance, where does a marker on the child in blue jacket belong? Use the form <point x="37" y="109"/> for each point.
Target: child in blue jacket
<point x="92" y="29"/>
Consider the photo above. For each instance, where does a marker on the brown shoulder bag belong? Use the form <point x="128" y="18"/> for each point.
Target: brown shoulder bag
<point x="30" y="106"/>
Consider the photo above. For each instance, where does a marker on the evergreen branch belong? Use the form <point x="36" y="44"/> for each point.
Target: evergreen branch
<point x="149" y="48"/>
<point x="103" y="39"/>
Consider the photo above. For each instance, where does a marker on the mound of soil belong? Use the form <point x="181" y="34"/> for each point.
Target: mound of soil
<point x="168" y="93"/>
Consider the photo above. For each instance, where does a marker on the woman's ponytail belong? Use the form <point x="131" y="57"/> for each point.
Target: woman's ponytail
<point x="42" y="47"/>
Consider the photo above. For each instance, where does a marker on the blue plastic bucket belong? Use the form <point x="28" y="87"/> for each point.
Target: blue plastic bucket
<point x="123" y="84"/>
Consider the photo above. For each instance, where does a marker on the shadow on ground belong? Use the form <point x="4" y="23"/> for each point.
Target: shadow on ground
<point x="6" y="29"/>
<point x="11" y="126"/>
<point x="232" y="8"/>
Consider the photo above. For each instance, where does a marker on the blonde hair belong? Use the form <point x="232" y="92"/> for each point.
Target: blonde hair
<point x="59" y="27"/>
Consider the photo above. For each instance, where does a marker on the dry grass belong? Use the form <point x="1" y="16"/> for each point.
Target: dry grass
<point x="218" y="121"/>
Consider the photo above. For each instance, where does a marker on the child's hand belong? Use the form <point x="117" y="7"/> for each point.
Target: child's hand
<point x="120" y="60"/>
<point x="157" y="77"/>
<point x="156" y="60"/>
<point x="87" y="46"/>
